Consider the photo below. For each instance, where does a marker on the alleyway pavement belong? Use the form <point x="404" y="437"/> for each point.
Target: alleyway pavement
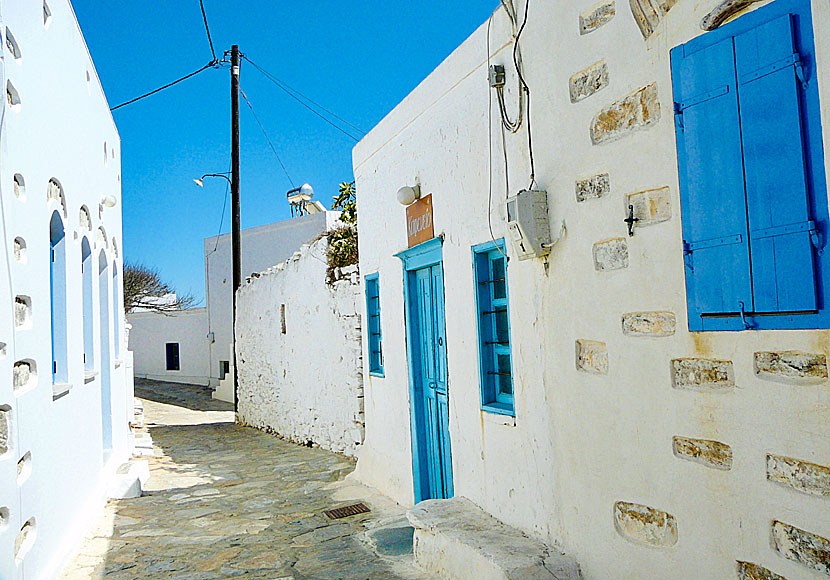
<point x="225" y="501"/>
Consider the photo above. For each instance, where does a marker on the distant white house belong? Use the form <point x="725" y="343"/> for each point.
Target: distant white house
<point x="194" y="346"/>
<point x="66" y="387"/>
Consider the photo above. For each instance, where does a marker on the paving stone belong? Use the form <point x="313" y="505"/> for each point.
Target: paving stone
<point x="267" y="522"/>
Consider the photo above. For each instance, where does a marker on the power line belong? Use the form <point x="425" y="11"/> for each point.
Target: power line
<point x="286" y="87"/>
<point x="168" y="85"/>
<point x="207" y="29"/>
<point x="267" y="138"/>
<point x="288" y="90"/>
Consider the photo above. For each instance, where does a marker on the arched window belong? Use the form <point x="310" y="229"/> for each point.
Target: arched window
<point x="116" y="316"/>
<point x="87" y="273"/>
<point x="57" y="280"/>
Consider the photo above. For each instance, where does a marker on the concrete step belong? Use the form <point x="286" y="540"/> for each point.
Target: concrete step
<point x="456" y="540"/>
<point x="129" y="480"/>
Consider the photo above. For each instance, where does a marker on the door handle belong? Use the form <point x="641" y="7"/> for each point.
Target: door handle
<point x="440" y="341"/>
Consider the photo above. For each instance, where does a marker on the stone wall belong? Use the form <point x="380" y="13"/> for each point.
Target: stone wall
<point x="299" y="352"/>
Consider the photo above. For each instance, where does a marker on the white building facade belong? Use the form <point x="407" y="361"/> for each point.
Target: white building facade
<point x="203" y="337"/>
<point x="634" y="400"/>
<point x="65" y="400"/>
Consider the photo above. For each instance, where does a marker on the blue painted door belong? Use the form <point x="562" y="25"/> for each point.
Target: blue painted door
<point x="430" y="374"/>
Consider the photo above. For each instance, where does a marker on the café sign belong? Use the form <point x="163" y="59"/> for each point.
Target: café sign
<point x="419" y="225"/>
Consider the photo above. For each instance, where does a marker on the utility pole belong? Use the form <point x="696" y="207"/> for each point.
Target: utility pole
<point x="236" y="217"/>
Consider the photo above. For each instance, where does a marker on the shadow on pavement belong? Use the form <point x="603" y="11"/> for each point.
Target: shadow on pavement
<point x="193" y="397"/>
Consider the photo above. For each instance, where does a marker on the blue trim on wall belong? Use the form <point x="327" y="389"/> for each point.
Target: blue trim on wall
<point x="804" y="34"/>
<point x="375" y="368"/>
<point x="488" y="405"/>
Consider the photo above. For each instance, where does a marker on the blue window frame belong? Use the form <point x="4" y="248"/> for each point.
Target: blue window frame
<point x="375" y="339"/>
<point x="495" y="358"/>
<point x="752" y="176"/>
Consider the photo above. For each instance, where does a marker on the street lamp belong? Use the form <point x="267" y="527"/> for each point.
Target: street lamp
<point x="237" y="268"/>
<point x="201" y="181"/>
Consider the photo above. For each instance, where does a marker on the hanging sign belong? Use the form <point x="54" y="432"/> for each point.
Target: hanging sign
<point x="419" y="227"/>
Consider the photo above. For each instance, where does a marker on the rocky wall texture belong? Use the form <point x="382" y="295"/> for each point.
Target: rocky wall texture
<point x="299" y="352"/>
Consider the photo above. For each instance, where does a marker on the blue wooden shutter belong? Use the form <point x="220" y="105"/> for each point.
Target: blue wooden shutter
<point x="373" y="325"/>
<point x="710" y="166"/>
<point x="780" y="226"/>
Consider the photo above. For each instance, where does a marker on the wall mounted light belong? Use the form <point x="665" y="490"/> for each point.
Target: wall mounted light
<point x="408" y="195"/>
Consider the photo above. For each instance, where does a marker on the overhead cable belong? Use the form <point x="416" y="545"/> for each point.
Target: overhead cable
<point x="207" y="29"/>
<point x="267" y="138"/>
<point x="517" y="60"/>
<point x="168" y="85"/>
<point x="286" y="87"/>
<point x="288" y="90"/>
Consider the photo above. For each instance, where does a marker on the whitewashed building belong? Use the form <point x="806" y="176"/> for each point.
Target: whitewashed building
<point x="656" y="402"/>
<point x="65" y="392"/>
<point x="194" y="346"/>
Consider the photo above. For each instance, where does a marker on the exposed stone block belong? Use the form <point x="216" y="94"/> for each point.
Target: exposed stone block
<point x="701" y="374"/>
<point x="592" y="357"/>
<point x="712" y="454"/>
<point x="587" y="82"/>
<point x="645" y="525"/>
<point x="651" y="206"/>
<point x="723" y="12"/>
<point x="5" y="429"/>
<point x="593" y="187"/>
<point x="649" y="13"/>
<point x="749" y="571"/>
<point x="596" y="17"/>
<point x="649" y="323"/>
<point x="22" y="311"/>
<point x="791" y="367"/>
<point x="24" y="376"/>
<point x="611" y="254"/>
<point x="636" y="111"/>
<point x="20" y="250"/>
<point x="801" y="546"/>
<point x="809" y="478"/>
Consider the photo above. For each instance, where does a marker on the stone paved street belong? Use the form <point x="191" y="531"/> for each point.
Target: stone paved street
<point x="228" y="501"/>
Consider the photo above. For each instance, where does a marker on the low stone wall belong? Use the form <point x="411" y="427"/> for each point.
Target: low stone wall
<point x="299" y="352"/>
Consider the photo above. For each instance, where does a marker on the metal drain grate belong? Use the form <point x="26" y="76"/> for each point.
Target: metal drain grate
<point x="346" y="511"/>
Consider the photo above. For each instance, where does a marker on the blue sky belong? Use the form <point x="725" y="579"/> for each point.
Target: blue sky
<point x="357" y="58"/>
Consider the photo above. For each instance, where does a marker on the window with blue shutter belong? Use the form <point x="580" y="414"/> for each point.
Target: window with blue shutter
<point x="496" y="365"/>
<point x="375" y="340"/>
<point x="751" y="167"/>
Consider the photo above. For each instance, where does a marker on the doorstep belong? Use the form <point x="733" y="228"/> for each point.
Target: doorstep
<point x="455" y="539"/>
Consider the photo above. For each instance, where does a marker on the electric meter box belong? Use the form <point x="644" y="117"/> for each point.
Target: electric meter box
<point x="528" y="223"/>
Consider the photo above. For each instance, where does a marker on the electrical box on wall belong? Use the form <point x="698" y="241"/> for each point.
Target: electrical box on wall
<point x="528" y="224"/>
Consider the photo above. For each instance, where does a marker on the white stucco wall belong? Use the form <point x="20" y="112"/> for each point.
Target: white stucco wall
<point x="581" y="442"/>
<point x="149" y="335"/>
<point x="262" y="247"/>
<point x="62" y="129"/>
<point x="305" y="384"/>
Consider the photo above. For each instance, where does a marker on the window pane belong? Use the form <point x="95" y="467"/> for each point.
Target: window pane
<point x="499" y="288"/>
<point x="505" y="381"/>
<point x="502" y="334"/>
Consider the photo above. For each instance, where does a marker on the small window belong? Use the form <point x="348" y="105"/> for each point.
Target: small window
<point x="224" y="369"/>
<point x="173" y="356"/>
<point x="490" y="266"/>
<point x="375" y="340"/>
